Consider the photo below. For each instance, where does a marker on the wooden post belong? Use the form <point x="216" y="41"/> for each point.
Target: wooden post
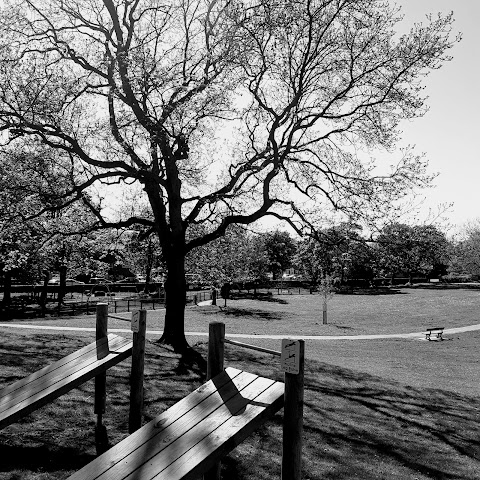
<point x="136" y="376"/>
<point x="293" y="421"/>
<point x="101" y="438"/>
<point x="216" y="348"/>
<point x="215" y="363"/>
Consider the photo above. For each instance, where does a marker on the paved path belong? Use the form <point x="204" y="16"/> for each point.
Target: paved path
<point x="240" y="335"/>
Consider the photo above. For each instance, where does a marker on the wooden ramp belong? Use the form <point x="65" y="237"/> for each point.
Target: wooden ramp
<point x="191" y="436"/>
<point x="32" y="392"/>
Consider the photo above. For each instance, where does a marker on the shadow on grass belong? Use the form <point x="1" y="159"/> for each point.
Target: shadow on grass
<point x="355" y="425"/>
<point x="253" y="313"/>
<point x="193" y="362"/>
<point x="370" y="291"/>
<point x="261" y="297"/>
<point x="42" y="458"/>
<point x="433" y="432"/>
<point x="361" y="426"/>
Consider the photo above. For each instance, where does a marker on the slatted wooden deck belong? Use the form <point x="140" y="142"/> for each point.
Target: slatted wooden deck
<point x="32" y="392"/>
<point x="188" y="438"/>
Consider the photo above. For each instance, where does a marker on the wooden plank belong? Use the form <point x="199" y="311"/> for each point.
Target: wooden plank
<point x="34" y="382"/>
<point x="38" y="384"/>
<point x="156" y="455"/>
<point x="54" y="391"/>
<point x="73" y="379"/>
<point x="49" y="368"/>
<point x="155" y="436"/>
<point x="120" y="348"/>
<point x="221" y="440"/>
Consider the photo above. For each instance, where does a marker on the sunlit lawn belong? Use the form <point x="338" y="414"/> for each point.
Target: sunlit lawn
<point x="409" y="310"/>
<point x="402" y="409"/>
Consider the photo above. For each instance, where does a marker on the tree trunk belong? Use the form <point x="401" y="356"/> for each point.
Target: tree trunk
<point x="149" y="266"/>
<point x="44" y="294"/>
<point x="175" y="292"/>
<point x="62" y="289"/>
<point x="7" y="288"/>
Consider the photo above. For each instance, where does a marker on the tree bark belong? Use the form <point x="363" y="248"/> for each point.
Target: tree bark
<point x="44" y="293"/>
<point x="7" y="288"/>
<point x="175" y="292"/>
<point x="62" y="289"/>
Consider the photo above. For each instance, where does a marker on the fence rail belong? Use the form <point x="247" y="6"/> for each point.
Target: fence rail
<point x="251" y="347"/>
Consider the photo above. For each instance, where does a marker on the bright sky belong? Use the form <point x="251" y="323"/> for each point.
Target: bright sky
<point x="449" y="133"/>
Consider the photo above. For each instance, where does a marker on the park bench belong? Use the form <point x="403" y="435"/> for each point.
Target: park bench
<point x="30" y="393"/>
<point x="186" y="440"/>
<point x="438" y="331"/>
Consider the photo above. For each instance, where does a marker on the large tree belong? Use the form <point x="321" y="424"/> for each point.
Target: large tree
<point x="222" y="112"/>
<point x="466" y="251"/>
<point x="339" y="252"/>
<point x="238" y="256"/>
<point x="36" y="238"/>
<point x="410" y="250"/>
<point x="280" y="249"/>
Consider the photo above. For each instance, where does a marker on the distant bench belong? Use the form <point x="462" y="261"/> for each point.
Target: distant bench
<point x="438" y="331"/>
<point x="30" y="393"/>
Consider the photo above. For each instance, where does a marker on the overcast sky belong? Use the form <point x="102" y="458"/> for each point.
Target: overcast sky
<point x="449" y="133"/>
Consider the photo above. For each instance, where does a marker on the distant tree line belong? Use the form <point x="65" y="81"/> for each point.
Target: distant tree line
<point x="342" y="253"/>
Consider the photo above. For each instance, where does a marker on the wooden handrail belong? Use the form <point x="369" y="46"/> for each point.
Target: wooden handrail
<point x="252" y="347"/>
<point x="119" y="318"/>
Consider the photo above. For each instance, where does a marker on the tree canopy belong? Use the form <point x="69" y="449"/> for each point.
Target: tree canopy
<point x="217" y="113"/>
<point x="418" y="249"/>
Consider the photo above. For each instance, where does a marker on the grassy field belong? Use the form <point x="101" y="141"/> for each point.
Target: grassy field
<point x="374" y="409"/>
<point x="401" y="312"/>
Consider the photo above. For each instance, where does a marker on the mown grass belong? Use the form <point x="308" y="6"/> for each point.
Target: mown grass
<point x="451" y="365"/>
<point x="381" y="409"/>
<point x="356" y="425"/>
<point x="404" y="311"/>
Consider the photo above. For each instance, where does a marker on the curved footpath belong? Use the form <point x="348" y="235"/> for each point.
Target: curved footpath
<point x="415" y="335"/>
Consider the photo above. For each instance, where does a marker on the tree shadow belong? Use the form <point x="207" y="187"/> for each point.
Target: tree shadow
<point x="254" y="314"/>
<point x="355" y="424"/>
<point x="187" y="361"/>
<point x="370" y="291"/>
<point x="192" y="361"/>
<point x="430" y="431"/>
<point x="364" y="426"/>
<point x="42" y="458"/>
<point x="261" y="297"/>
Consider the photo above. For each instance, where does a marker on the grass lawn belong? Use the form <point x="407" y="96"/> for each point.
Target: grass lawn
<point x="409" y="310"/>
<point x="374" y="409"/>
